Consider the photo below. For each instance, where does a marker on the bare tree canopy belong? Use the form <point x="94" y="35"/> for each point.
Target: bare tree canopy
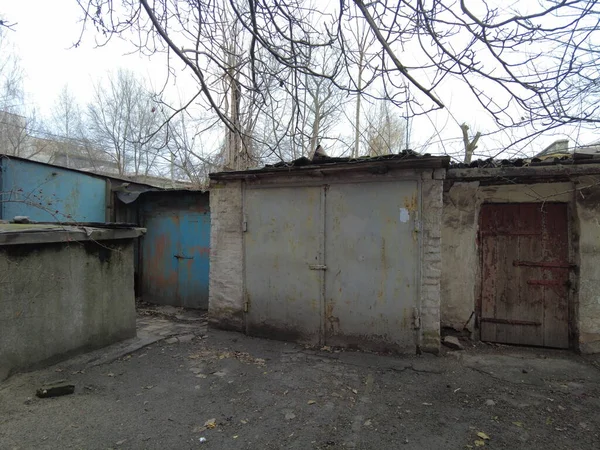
<point x="528" y="63"/>
<point x="122" y="119"/>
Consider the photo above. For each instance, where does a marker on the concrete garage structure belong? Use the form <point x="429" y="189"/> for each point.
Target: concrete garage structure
<point x="334" y="252"/>
<point x="63" y="289"/>
<point x="521" y="252"/>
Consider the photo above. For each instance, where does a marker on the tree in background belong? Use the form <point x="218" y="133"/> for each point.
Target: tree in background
<point x="532" y="66"/>
<point x="16" y="122"/>
<point x="384" y="131"/>
<point x="124" y="120"/>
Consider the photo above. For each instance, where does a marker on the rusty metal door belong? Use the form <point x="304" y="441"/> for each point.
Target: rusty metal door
<point x="372" y="254"/>
<point x="284" y="261"/>
<point x="525" y="274"/>
<point x="175" y="249"/>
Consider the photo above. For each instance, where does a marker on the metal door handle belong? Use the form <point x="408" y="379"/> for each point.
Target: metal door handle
<point x="317" y="267"/>
<point x="183" y="257"/>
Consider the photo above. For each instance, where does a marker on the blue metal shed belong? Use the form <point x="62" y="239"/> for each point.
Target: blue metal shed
<point x="175" y="250"/>
<point x="47" y="193"/>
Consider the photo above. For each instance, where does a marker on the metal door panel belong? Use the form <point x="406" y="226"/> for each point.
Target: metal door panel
<point x="372" y="254"/>
<point x="283" y="243"/>
<point x="175" y="249"/>
<point x="159" y="267"/>
<point x="193" y="258"/>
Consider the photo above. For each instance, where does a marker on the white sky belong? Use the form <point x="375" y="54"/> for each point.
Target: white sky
<point x="44" y="35"/>
<point x="45" y="31"/>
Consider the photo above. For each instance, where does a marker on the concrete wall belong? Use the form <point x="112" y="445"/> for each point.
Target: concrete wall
<point x="226" y="273"/>
<point x="587" y="229"/>
<point x="431" y="259"/>
<point x="226" y="302"/>
<point x="460" y="254"/>
<point x="61" y="298"/>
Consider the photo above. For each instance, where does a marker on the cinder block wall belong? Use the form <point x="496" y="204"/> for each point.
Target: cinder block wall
<point x="61" y="298"/>
<point x="431" y="259"/>
<point x="226" y="273"/>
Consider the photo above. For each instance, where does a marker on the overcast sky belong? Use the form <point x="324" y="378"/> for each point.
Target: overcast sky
<point x="43" y="37"/>
<point x="46" y="30"/>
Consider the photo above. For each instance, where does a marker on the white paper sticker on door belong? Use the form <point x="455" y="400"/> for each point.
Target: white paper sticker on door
<point x="404" y="215"/>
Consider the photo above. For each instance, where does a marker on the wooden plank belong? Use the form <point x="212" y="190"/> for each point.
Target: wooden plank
<point x="488" y="273"/>
<point x="489" y="288"/>
<point x="530" y="308"/>
<point x="547" y="264"/>
<point x="510" y="322"/>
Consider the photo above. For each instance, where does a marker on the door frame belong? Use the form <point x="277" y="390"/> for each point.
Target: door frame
<point x="573" y="278"/>
<point x="324" y="185"/>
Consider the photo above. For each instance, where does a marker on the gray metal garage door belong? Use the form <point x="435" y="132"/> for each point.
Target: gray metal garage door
<point x="282" y="244"/>
<point x="371" y="253"/>
<point x="334" y="264"/>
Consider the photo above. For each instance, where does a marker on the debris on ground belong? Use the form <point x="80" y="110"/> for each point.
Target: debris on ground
<point x="55" y="390"/>
<point x="240" y="356"/>
<point x="452" y="342"/>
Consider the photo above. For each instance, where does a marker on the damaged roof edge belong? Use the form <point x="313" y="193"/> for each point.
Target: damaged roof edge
<point x="373" y="165"/>
<point x="532" y="173"/>
<point x="16" y="234"/>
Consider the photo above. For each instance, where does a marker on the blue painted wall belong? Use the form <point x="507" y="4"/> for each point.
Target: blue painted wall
<point x="50" y="194"/>
<point x="175" y="248"/>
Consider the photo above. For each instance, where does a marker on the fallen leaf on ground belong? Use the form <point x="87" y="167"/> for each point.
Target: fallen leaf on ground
<point x="110" y="374"/>
<point x="210" y="423"/>
<point x="483" y="436"/>
<point x="519" y="424"/>
<point x="311" y="402"/>
<point x="479" y="443"/>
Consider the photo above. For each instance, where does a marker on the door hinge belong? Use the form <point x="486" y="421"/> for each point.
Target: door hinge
<point x="416" y="318"/>
<point x="245" y="224"/>
<point x="417" y="226"/>
<point x="246" y="304"/>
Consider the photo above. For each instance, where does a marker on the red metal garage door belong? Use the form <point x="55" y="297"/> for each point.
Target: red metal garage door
<point x="525" y="274"/>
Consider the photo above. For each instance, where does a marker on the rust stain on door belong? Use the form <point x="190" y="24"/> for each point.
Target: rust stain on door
<point x="525" y="274"/>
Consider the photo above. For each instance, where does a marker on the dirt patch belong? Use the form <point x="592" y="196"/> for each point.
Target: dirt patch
<point x="236" y="392"/>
